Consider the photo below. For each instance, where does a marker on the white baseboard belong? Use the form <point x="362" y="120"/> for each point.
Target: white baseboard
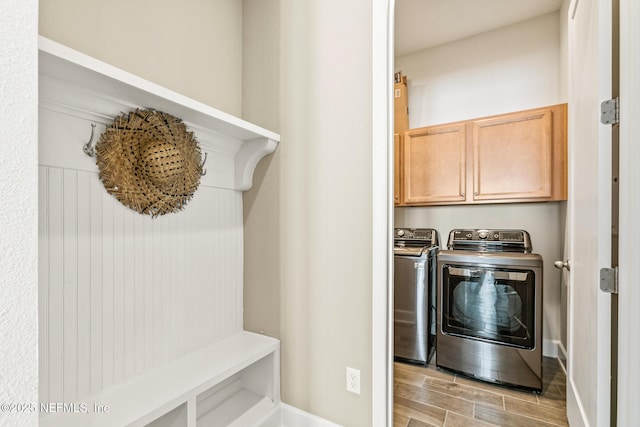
<point x="562" y="357"/>
<point x="555" y="349"/>
<point x="550" y="348"/>
<point x="290" y="416"/>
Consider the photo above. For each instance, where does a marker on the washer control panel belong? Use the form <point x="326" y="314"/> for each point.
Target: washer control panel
<point x="414" y="233"/>
<point x="490" y="240"/>
<point x="413" y="236"/>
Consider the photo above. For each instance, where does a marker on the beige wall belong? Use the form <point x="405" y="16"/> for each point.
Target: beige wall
<point x="262" y="214"/>
<point x="261" y="63"/>
<point x="193" y="47"/>
<point x="308" y="218"/>
<point x="326" y="206"/>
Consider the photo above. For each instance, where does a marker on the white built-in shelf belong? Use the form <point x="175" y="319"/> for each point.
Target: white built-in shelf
<point x="83" y="87"/>
<point x="233" y="383"/>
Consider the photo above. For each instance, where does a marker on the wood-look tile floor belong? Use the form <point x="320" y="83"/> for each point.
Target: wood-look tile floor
<point x="425" y="396"/>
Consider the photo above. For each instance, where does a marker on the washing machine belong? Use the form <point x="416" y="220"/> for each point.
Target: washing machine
<point x="414" y="293"/>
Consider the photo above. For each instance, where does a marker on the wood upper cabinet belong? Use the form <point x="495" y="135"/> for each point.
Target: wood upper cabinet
<point x="520" y="156"/>
<point x="515" y="157"/>
<point x="434" y="164"/>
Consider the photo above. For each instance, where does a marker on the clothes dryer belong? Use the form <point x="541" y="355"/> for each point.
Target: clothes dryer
<point x="490" y="307"/>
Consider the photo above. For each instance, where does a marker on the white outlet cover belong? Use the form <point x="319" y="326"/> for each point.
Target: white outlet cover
<point x="353" y="380"/>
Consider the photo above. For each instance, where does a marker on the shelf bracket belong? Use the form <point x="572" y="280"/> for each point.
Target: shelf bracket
<point x="247" y="158"/>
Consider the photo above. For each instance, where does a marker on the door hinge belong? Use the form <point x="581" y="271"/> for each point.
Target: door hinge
<point x="609" y="280"/>
<point x="610" y="111"/>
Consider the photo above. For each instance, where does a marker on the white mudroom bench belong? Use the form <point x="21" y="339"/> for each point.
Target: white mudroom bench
<point x="234" y="382"/>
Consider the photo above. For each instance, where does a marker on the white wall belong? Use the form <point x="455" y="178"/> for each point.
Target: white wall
<point x="193" y="47"/>
<point x="508" y="69"/>
<point x="18" y="214"/>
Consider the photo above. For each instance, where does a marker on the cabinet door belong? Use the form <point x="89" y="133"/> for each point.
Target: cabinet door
<point x="434" y="163"/>
<point x="397" y="170"/>
<point x="513" y="156"/>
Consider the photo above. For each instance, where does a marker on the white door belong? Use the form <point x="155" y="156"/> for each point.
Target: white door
<point x="589" y="226"/>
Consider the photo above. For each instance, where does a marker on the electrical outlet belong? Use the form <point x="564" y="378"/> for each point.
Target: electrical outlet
<point x="353" y="380"/>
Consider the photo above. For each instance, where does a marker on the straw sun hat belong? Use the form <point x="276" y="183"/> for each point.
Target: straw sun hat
<point x="149" y="162"/>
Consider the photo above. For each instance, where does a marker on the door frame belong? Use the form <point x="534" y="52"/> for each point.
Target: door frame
<point x="382" y="200"/>
<point x="382" y="360"/>
<point x="629" y="295"/>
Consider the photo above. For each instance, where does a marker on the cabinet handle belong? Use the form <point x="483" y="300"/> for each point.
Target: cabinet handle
<point x="475" y="193"/>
